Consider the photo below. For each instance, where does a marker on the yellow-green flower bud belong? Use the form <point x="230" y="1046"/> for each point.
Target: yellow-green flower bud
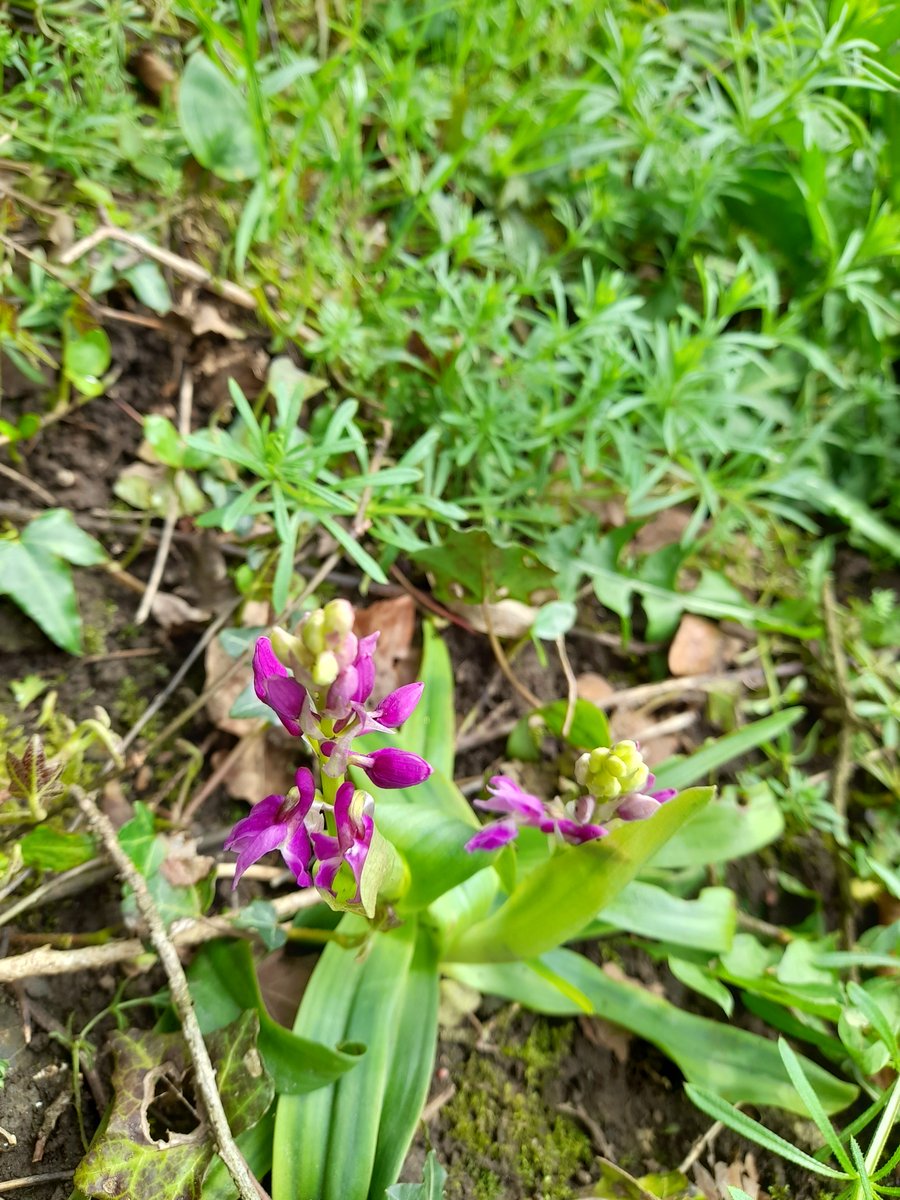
<point x="337" y="616"/>
<point x="287" y="648"/>
<point x="325" y="669"/>
<point x="611" y="772"/>
<point x="313" y="631"/>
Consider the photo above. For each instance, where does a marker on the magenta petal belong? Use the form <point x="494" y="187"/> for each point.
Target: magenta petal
<point x="664" y="794"/>
<point x="399" y="705"/>
<point x="342" y="692"/>
<point x="494" y="836"/>
<point x="306" y="786"/>
<point x="507" y="797"/>
<point x="260" y="817"/>
<point x="365" y="668"/>
<point x="255" y="848"/>
<point x="390" y="768"/>
<point x="575" y="833"/>
<point x="265" y="666"/>
<point x="285" y="695"/>
<point x="297" y="852"/>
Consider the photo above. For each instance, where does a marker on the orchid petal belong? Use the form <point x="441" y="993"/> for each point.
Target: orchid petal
<point x="494" y="836"/>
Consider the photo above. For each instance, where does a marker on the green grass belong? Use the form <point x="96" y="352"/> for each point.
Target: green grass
<point x="590" y="251"/>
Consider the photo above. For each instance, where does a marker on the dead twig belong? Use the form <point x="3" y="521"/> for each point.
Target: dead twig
<point x="55" y="1110"/>
<point x="185" y="401"/>
<point x="503" y="662"/>
<point x="12" y="1185"/>
<point x="601" y="1142"/>
<point x="844" y="765"/>
<point x="229" y="291"/>
<point x="204" y="1073"/>
<point x="571" y="683"/>
<point x="46" y="960"/>
<point x="436" y="1103"/>
<point x="644" y="693"/>
<point x="29" y="484"/>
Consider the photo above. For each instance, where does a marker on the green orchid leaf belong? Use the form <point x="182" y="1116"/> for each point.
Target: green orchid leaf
<point x="707" y="923"/>
<point x="223" y="984"/>
<point x="387" y="998"/>
<point x="738" y="1066"/>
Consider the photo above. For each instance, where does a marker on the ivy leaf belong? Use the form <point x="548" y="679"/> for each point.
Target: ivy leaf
<point x="55" y="532"/>
<point x="55" y="850"/>
<point x="178" y="879"/>
<point x="42" y="587"/>
<point x="135" y="1153"/>
<point x="472" y="567"/>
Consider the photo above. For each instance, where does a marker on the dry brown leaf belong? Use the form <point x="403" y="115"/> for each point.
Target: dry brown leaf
<point x="610" y="1037"/>
<point x="661" y="530"/>
<point x="282" y="981"/>
<point x="217" y="662"/>
<point x="699" y="647"/>
<point x="508" y="618"/>
<point x="206" y="318"/>
<point x="172" y="612"/>
<point x="593" y="687"/>
<point x="395" y="661"/>
<point x="265" y="767"/>
<point x="183" y="866"/>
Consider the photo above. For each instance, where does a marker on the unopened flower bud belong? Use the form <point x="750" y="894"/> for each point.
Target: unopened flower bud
<point x="337" y="619"/>
<point x="312" y="631"/>
<point x="324" y="669"/>
<point x="608" y="773"/>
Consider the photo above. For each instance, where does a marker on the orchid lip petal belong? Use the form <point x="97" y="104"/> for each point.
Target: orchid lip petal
<point x="493" y="836"/>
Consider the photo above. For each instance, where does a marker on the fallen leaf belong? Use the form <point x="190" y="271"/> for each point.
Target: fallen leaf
<point x="183" y="866"/>
<point x="172" y="612"/>
<point x="593" y="687"/>
<point x="394" y="659"/>
<point x="508" y="618"/>
<point x="265" y="767"/>
<point x="135" y="1152"/>
<point x="663" y="529"/>
<point x="698" y="647"/>
<point x="217" y="662"/>
<point x="610" y="1037"/>
<point x="206" y="318"/>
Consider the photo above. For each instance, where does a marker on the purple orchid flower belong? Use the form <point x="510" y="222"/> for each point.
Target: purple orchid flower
<point x="641" y="805"/>
<point x="277" y="823"/>
<point x="387" y="768"/>
<point x="355" y="825"/>
<point x="275" y="686"/>
<point x="524" y="809"/>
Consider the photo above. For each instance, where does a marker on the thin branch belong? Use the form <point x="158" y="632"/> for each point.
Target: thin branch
<point x="185" y="400"/>
<point x="503" y="662"/>
<point x="181" y="266"/>
<point x="13" y="1185"/>
<point x="204" y="1073"/>
<point x="572" y="684"/>
<point x="749" y="677"/>
<point x="46" y="960"/>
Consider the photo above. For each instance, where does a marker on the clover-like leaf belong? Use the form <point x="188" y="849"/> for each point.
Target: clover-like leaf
<point x="136" y="1152"/>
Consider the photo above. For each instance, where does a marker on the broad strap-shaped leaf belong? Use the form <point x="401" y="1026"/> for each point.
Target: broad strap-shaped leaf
<point x="738" y="1065"/>
<point x="556" y="900"/>
<point x="707" y="923"/>
<point x="223" y="984"/>
<point x="348" y="1141"/>
<point x="215" y="121"/>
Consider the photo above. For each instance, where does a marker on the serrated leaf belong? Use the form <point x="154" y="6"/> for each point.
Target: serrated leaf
<point x="215" y="121"/>
<point x="471" y="560"/>
<point x="125" y="1159"/>
<point x="41" y="585"/>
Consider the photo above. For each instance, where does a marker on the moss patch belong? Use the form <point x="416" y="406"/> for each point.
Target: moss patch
<point x="508" y="1140"/>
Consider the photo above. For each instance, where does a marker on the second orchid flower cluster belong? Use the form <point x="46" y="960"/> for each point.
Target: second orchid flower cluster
<point x="318" y="682"/>
<point x="616" y="783"/>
